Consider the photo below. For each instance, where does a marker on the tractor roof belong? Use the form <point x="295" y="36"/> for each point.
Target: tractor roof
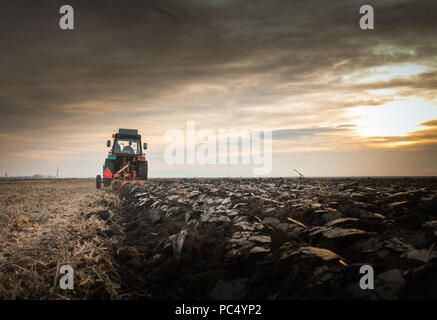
<point x="128" y="132"/>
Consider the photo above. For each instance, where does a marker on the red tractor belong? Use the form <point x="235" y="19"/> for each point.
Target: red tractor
<point x="126" y="162"/>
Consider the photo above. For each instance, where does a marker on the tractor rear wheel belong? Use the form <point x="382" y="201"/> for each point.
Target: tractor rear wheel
<point x="109" y="164"/>
<point x="98" y="181"/>
<point x="143" y="170"/>
<point x="106" y="182"/>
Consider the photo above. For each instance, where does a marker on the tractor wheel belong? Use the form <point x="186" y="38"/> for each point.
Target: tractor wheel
<point x="98" y="181"/>
<point x="106" y="182"/>
<point x="142" y="170"/>
<point x="109" y="164"/>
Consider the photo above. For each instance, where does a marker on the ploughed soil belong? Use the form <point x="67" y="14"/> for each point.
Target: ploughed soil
<point x="270" y="238"/>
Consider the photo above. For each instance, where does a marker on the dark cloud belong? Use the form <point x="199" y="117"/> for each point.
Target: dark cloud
<point x="305" y="132"/>
<point x="432" y="123"/>
<point x="144" y="50"/>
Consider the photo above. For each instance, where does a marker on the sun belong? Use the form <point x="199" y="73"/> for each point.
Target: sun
<point x="393" y="119"/>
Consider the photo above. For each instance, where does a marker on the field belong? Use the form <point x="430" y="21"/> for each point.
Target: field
<point x="273" y="238"/>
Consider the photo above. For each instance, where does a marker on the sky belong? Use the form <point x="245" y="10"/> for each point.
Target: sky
<point x="339" y="101"/>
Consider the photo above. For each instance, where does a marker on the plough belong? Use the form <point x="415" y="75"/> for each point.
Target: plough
<point x="123" y="177"/>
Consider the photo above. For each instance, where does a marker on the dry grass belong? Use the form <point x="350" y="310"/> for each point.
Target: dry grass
<point x="47" y="224"/>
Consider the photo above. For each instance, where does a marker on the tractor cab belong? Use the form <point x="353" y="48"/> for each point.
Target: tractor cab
<point x="127" y="146"/>
<point x="127" y="142"/>
<point x="126" y="160"/>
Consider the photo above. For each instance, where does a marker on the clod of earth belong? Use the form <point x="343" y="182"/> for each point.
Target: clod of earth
<point x="282" y="236"/>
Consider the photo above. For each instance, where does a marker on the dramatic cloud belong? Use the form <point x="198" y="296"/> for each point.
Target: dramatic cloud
<point x="303" y="69"/>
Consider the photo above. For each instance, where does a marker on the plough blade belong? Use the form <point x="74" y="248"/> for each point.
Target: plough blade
<point x="119" y="184"/>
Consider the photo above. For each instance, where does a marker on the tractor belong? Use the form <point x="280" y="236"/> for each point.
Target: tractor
<point x="126" y="162"/>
